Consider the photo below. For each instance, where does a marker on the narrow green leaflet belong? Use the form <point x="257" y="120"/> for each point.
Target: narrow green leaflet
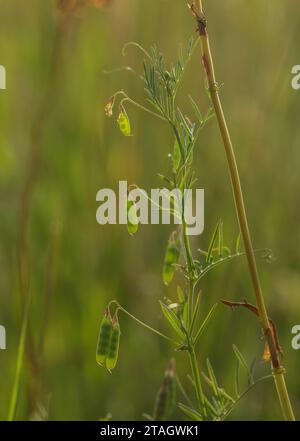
<point x="205" y="323"/>
<point x="243" y="363"/>
<point x="172" y="319"/>
<point x="213" y="379"/>
<point x="220" y="239"/>
<point x="172" y="256"/>
<point x="237" y="378"/>
<point x="180" y="294"/>
<point x="221" y="391"/>
<point x="215" y="237"/>
<point x="176" y="156"/>
<point x="196" y="110"/>
<point x="238" y="244"/>
<point x="214" y="410"/>
<point x="190" y="413"/>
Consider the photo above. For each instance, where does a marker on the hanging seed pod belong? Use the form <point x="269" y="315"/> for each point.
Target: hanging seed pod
<point x="166" y="397"/>
<point x="132" y="220"/>
<point x="124" y="122"/>
<point x="171" y="258"/>
<point x="103" y="345"/>
<point x="113" y="350"/>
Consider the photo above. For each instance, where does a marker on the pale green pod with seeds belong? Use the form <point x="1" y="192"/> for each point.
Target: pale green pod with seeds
<point x="124" y="123"/>
<point x="104" y="338"/>
<point x="113" y="350"/>
<point x="171" y="258"/>
<point x="132" y="220"/>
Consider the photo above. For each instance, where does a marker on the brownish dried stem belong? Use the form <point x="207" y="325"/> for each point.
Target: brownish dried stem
<point x="255" y="311"/>
<point x="278" y="371"/>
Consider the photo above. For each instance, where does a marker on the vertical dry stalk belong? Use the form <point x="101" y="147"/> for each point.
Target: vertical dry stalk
<point x="278" y="370"/>
<point x="34" y="160"/>
<point x="47" y="103"/>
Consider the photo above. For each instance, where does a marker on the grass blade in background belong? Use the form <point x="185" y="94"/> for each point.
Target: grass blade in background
<point x="20" y="358"/>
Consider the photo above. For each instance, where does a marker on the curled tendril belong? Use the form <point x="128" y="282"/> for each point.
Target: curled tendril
<point x="134" y="43"/>
<point x="120" y="69"/>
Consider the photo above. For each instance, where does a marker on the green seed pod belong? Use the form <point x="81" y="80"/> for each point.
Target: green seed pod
<point x="171" y="258"/>
<point x="113" y="350"/>
<point x="132" y="220"/>
<point x="106" y="329"/>
<point x="166" y="397"/>
<point x="123" y="121"/>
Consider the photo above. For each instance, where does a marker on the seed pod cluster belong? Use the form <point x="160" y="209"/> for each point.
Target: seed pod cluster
<point x="166" y="397"/>
<point x="108" y="341"/>
<point x="171" y="258"/>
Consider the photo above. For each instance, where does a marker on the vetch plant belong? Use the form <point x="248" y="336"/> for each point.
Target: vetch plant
<point x="210" y="401"/>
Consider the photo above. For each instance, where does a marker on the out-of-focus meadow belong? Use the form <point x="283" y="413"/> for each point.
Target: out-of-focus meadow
<point x="77" y="266"/>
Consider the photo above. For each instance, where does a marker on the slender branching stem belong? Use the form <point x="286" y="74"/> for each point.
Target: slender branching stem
<point x="278" y="371"/>
<point x="140" y="106"/>
<point x="190" y="310"/>
<point x="197" y="382"/>
<point x="155" y="331"/>
<point x="252" y="386"/>
<point x="21" y="350"/>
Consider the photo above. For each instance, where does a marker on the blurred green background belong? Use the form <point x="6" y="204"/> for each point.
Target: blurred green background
<point x="77" y="266"/>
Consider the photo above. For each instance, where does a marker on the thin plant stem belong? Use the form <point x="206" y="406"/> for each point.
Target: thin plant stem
<point x="197" y="381"/>
<point x="278" y="370"/>
<point x="20" y="357"/>
<point x="140" y="106"/>
<point x="155" y="331"/>
<point x="252" y="386"/>
<point x="190" y="307"/>
<point x="191" y="274"/>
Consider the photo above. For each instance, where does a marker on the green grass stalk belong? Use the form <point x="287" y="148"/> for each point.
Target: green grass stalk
<point x="33" y="167"/>
<point x="20" y="357"/>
